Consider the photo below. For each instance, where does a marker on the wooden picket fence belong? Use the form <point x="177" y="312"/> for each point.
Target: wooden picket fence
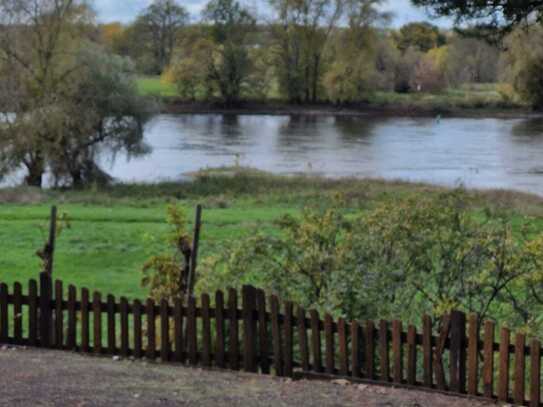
<point x="263" y="336"/>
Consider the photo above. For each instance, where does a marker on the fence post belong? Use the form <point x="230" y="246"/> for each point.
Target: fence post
<point x="249" y="328"/>
<point x="458" y="352"/>
<point x="45" y="309"/>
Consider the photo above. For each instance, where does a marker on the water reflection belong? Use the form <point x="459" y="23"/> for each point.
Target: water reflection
<point x="485" y="153"/>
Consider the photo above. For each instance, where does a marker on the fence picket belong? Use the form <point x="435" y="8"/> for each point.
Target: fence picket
<point x="384" y="361"/>
<point x="17" y="313"/>
<point x="233" y="342"/>
<point x="111" y="334"/>
<point x="219" y="330"/>
<point x="84" y="320"/>
<point x="192" y="334"/>
<point x="45" y="310"/>
<point x="457" y="354"/>
<point x="330" y="346"/>
<point x="427" y="359"/>
<point x="206" y="331"/>
<point x="125" y="345"/>
<point x="488" y="360"/>
<point x="59" y="315"/>
<point x="138" y="334"/>
<point x="288" y="353"/>
<point x="369" y="356"/>
<point x="276" y="337"/>
<point x="4" y="324"/>
<point x="411" y="355"/>
<point x="316" y="341"/>
<point x="535" y="373"/>
<point x="343" y="352"/>
<point x="71" y="339"/>
<point x="503" y="376"/>
<point x="151" y="329"/>
<point x="473" y="355"/>
<point x="249" y="329"/>
<point x="263" y="350"/>
<point x="397" y="351"/>
<point x="97" y="322"/>
<point x="519" y="378"/>
<point x="165" y="347"/>
<point x="355" y="349"/>
<point x="179" y="355"/>
<point x="33" y="313"/>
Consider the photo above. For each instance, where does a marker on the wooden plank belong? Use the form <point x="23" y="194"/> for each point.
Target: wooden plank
<point x="219" y="330"/>
<point x="59" y="315"/>
<point x="520" y="365"/>
<point x="32" y="313"/>
<point x="427" y="352"/>
<point x="384" y="358"/>
<point x="397" y="351"/>
<point x="179" y="354"/>
<point x="206" y="331"/>
<point x="84" y="320"/>
<point x="329" y="343"/>
<point x="276" y="337"/>
<point x="111" y="334"/>
<point x="192" y="334"/>
<point x="355" y="349"/>
<point x="138" y="331"/>
<point x="97" y="322"/>
<point x="45" y="310"/>
<point x="370" y="350"/>
<point x="151" y="329"/>
<point x="316" y="341"/>
<point x="503" y="376"/>
<point x="343" y="352"/>
<point x="17" y="313"/>
<point x="302" y="339"/>
<point x="535" y="373"/>
<point x="4" y="323"/>
<point x="288" y="354"/>
<point x="488" y="360"/>
<point x="263" y="342"/>
<point x="411" y="355"/>
<point x="71" y="340"/>
<point x="439" y="351"/>
<point x="457" y="358"/>
<point x="473" y="355"/>
<point x="125" y="334"/>
<point x="165" y="346"/>
<point x="233" y="340"/>
<point x="249" y="329"/>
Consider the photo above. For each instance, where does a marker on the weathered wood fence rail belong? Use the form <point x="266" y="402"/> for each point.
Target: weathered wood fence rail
<point x="268" y="337"/>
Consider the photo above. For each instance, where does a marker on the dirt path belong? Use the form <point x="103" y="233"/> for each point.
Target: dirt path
<point x="49" y="378"/>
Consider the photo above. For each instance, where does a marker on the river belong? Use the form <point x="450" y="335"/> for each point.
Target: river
<point x="481" y="153"/>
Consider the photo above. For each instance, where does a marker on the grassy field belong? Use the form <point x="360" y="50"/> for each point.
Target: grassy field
<point x="466" y="97"/>
<point x="110" y="228"/>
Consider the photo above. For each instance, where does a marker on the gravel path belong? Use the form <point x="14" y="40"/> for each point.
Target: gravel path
<point x="31" y="377"/>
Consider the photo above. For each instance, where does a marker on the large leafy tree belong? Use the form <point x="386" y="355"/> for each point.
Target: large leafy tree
<point x="64" y="98"/>
<point x="160" y="24"/>
<point x="493" y="14"/>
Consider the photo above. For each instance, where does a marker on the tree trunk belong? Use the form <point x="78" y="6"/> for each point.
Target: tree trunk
<point x="35" y="172"/>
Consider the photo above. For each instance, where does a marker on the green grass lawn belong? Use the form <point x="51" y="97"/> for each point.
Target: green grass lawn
<point x="108" y="241"/>
<point x="154" y="86"/>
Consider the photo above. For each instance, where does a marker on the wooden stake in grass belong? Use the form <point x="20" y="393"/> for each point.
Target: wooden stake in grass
<point x="47" y="253"/>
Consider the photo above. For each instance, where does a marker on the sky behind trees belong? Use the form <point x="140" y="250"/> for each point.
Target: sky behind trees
<point x="126" y="10"/>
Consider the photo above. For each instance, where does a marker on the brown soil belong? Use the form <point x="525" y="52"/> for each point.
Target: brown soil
<point x="31" y="377"/>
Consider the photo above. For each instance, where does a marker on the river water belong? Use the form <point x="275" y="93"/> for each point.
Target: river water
<point x="482" y="153"/>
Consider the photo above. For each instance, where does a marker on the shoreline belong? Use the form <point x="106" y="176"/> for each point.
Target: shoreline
<point x="284" y="109"/>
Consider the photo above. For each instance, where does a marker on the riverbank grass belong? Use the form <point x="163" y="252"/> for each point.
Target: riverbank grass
<point x="111" y="230"/>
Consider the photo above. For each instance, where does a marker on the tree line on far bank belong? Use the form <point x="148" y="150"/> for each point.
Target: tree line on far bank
<point x="337" y="51"/>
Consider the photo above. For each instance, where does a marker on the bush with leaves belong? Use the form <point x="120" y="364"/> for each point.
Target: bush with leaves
<point x="403" y="258"/>
<point x="165" y="274"/>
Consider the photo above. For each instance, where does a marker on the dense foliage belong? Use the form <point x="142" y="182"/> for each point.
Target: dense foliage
<point x="403" y="258"/>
